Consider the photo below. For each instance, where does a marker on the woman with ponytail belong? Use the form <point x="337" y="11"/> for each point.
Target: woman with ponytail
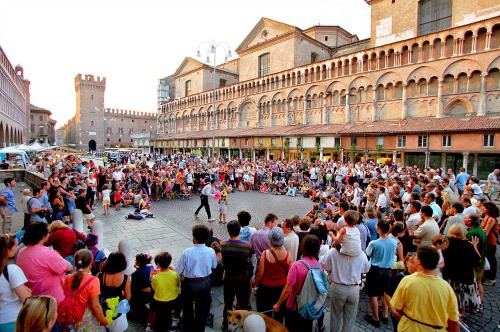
<point x="88" y="290"/>
<point x="13" y="290"/>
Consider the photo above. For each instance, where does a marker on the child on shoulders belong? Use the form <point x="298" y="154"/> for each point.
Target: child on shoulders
<point x="349" y="236"/>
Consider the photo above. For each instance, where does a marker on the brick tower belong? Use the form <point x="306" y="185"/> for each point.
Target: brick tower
<point x="89" y="117"/>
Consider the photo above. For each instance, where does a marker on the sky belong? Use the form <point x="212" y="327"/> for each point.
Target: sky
<point x="134" y="43"/>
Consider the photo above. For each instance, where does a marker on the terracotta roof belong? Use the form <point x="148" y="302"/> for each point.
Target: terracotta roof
<point x="418" y="125"/>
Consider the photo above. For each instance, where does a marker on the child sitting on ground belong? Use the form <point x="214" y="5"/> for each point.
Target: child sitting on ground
<point x="166" y="292"/>
<point x="144" y="204"/>
<point x="349" y="236"/>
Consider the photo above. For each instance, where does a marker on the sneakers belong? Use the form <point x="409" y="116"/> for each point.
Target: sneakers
<point x="195" y="215"/>
<point x="211" y="219"/>
<point x="372" y="320"/>
<point x="148" y="328"/>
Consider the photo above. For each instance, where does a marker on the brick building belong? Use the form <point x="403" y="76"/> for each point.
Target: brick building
<point x="14" y="103"/>
<point x="95" y="127"/>
<point x="414" y="92"/>
<point x="42" y="126"/>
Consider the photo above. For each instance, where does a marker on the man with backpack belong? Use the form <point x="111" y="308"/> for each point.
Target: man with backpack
<point x="306" y="289"/>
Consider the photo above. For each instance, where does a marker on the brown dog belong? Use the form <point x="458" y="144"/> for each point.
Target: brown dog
<point x="236" y="321"/>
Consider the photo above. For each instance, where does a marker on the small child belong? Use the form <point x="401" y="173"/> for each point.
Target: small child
<point x="70" y="197"/>
<point x="349" y="236"/>
<point x="223" y="207"/>
<point x="99" y="257"/>
<point x="263" y="188"/>
<point x="24" y="201"/>
<point x="106" y="198"/>
<point x="166" y="292"/>
<point x="144" y="204"/>
<point x="118" y="198"/>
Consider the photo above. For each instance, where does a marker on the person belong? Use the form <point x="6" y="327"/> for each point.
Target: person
<point x="410" y="268"/>
<point x="24" y="203"/>
<point x="425" y="231"/>
<point x="414" y="217"/>
<point x="272" y="273"/>
<point x="57" y="202"/>
<point x="461" y="180"/>
<point x="236" y="255"/>
<point x="37" y="211"/>
<point x="223" y="203"/>
<point x="414" y="293"/>
<point x="473" y="223"/>
<point x="13" y="290"/>
<point x="455" y="215"/>
<point x="349" y="236"/>
<point x="99" y="257"/>
<point x="381" y="204"/>
<point x="460" y="258"/>
<point x="430" y="200"/>
<point x="88" y="290"/>
<point x="371" y="223"/>
<point x="345" y="275"/>
<point x="44" y="268"/>
<point x="165" y="285"/>
<point x="246" y="231"/>
<point x="291" y="241"/>
<point x="82" y="204"/>
<point x="381" y="252"/>
<point x="295" y="280"/>
<point x="114" y="283"/>
<point x="490" y="226"/>
<point x="38" y="314"/>
<point x="7" y="204"/>
<point x="141" y="286"/>
<point x="195" y="266"/>
<point x="63" y="239"/>
<point x="106" y="198"/>
<point x="260" y="240"/>
<point x="207" y="191"/>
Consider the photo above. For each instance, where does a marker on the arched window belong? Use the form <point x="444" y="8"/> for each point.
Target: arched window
<point x="187" y="88"/>
<point x="264" y="64"/>
<point x="433" y="15"/>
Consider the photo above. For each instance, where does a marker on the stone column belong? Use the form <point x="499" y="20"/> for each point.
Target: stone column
<point x="268" y="155"/>
<point x="404" y="111"/>
<point x="341" y="152"/>
<point x="474" y="167"/>
<point x="304" y="114"/>
<point x="270" y="115"/>
<point x="323" y="110"/>
<point x="374" y="104"/>
<point x="253" y="154"/>
<point x="227" y="118"/>
<point x="439" y="113"/>
<point x="474" y="44"/>
<point x="241" y="153"/>
<point x="394" y="157"/>
<point x="78" y="220"/>
<point x="125" y="247"/>
<point x="482" y="95"/>
<point x="259" y="108"/>
<point x="238" y="117"/>
<point x="347" y="110"/>
<point x="443" y="160"/>
<point x="98" y="229"/>
<point x="465" y="163"/>
<point x="427" y="158"/>
<point x="488" y="41"/>
<point x="287" y="113"/>
<point x="321" y="154"/>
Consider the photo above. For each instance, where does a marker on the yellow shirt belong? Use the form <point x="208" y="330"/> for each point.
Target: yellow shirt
<point x="166" y="286"/>
<point x="428" y="299"/>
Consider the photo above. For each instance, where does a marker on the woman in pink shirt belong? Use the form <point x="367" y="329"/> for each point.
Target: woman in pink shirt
<point x="296" y="276"/>
<point x="44" y="268"/>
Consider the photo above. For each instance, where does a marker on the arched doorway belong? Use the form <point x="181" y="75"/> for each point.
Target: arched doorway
<point x="92" y="145"/>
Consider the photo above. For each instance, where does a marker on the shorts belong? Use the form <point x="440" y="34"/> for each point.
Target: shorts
<point x="89" y="216"/>
<point x="106" y="201"/>
<point x="377" y="280"/>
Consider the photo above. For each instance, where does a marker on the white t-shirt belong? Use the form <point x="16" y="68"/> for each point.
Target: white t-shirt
<point x="105" y="194"/>
<point x="9" y="302"/>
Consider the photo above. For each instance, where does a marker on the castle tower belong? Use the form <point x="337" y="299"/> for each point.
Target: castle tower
<point x="90" y="118"/>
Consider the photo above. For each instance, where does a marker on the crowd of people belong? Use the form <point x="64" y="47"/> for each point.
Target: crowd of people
<point x="408" y="237"/>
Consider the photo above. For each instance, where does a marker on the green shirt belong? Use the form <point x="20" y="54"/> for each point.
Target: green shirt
<point x="481" y="246"/>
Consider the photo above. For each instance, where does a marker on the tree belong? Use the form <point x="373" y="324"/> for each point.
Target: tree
<point x="379" y="148"/>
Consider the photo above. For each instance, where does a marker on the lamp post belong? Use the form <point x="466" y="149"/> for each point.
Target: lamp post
<point x="212" y="49"/>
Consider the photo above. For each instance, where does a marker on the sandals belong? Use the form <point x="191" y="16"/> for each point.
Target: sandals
<point x="490" y="282"/>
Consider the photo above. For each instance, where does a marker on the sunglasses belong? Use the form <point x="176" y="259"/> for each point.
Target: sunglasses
<point x="47" y="304"/>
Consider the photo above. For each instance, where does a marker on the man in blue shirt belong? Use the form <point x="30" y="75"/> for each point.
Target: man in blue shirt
<point x="195" y="266"/>
<point x="7" y="204"/>
<point x="461" y="179"/>
<point x="381" y="252"/>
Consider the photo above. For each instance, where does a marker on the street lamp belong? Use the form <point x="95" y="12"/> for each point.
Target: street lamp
<point x="212" y="49"/>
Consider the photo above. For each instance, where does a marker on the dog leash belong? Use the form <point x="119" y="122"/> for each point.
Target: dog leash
<point x="265" y="312"/>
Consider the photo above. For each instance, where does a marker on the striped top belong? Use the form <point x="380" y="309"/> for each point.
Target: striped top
<point x="235" y="257"/>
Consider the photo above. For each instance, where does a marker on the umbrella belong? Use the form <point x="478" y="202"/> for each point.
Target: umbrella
<point x="26" y="148"/>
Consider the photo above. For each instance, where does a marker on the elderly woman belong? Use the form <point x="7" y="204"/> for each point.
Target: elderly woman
<point x="460" y="258"/>
<point x="272" y="273"/>
<point x="63" y="239"/>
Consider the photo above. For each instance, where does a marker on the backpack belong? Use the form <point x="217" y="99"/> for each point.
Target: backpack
<point x="71" y="310"/>
<point x="78" y="244"/>
<point x="311" y="299"/>
<point x="96" y="264"/>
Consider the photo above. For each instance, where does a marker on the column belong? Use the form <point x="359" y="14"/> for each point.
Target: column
<point x="323" y="110"/>
<point x="321" y="154"/>
<point x="474" y="44"/>
<point x="270" y="115"/>
<point x="241" y="154"/>
<point x="304" y="114"/>
<point x="394" y="157"/>
<point x="488" y="41"/>
<point x="253" y="154"/>
<point x="374" y="104"/>
<point x="238" y="116"/>
<point x="404" y="111"/>
<point x="443" y="161"/>
<point x="439" y="113"/>
<point x="347" y="110"/>
<point x="267" y="153"/>
<point x="465" y="162"/>
<point x="287" y="113"/>
<point x="227" y="112"/>
<point x="482" y="96"/>
<point x="259" y="108"/>
<point x="341" y="152"/>
<point x="427" y="158"/>
<point x="474" y="167"/>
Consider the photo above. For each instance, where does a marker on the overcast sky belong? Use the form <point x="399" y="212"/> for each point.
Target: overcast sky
<point x="133" y="43"/>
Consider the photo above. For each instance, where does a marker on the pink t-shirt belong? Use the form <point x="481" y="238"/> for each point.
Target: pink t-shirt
<point x="45" y="270"/>
<point x="296" y="277"/>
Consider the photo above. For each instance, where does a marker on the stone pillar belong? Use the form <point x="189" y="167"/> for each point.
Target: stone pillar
<point x="241" y="154"/>
<point x="125" y="247"/>
<point x="227" y="119"/>
<point x="321" y="154"/>
<point x="374" y="104"/>
<point x="439" y="113"/>
<point x="287" y="113"/>
<point x="482" y="96"/>
<point x="304" y="114"/>
<point x="427" y="158"/>
<point x="238" y="117"/>
<point x="347" y="110"/>
<point x="474" y="44"/>
<point x="474" y="167"/>
<point x="259" y="108"/>
<point x="443" y="161"/>
<point x="323" y="110"/>
<point x="268" y="155"/>
<point x="98" y="229"/>
<point x="270" y="115"/>
<point x="78" y="220"/>
<point x="253" y="154"/>
<point x="341" y="152"/>
<point x="404" y="111"/>
<point x="488" y="41"/>
<point x="394" y="157"/>
<point x="465" y="163"/>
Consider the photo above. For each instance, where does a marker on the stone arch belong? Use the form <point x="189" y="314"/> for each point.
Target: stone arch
<point x="458" y="107"/>
<point x="295" y="93"/>
<point x="248" y="116"/>
<point x="278" y="96"/>
<point x="494" y="64"/>
<point x="361" y="81"/>
<point x="336" y="85"/>
<point x="389" y="77"/>
<point x="424" y="72"/>
<point x="458" y="66"/>
<point x="312" y="91"/>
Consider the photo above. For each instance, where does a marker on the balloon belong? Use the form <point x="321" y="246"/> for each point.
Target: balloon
<point x="217" y="195"/>
<point x="123" y="307"/>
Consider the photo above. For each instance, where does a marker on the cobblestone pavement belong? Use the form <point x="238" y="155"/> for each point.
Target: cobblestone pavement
<point x="171" y="231"/>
